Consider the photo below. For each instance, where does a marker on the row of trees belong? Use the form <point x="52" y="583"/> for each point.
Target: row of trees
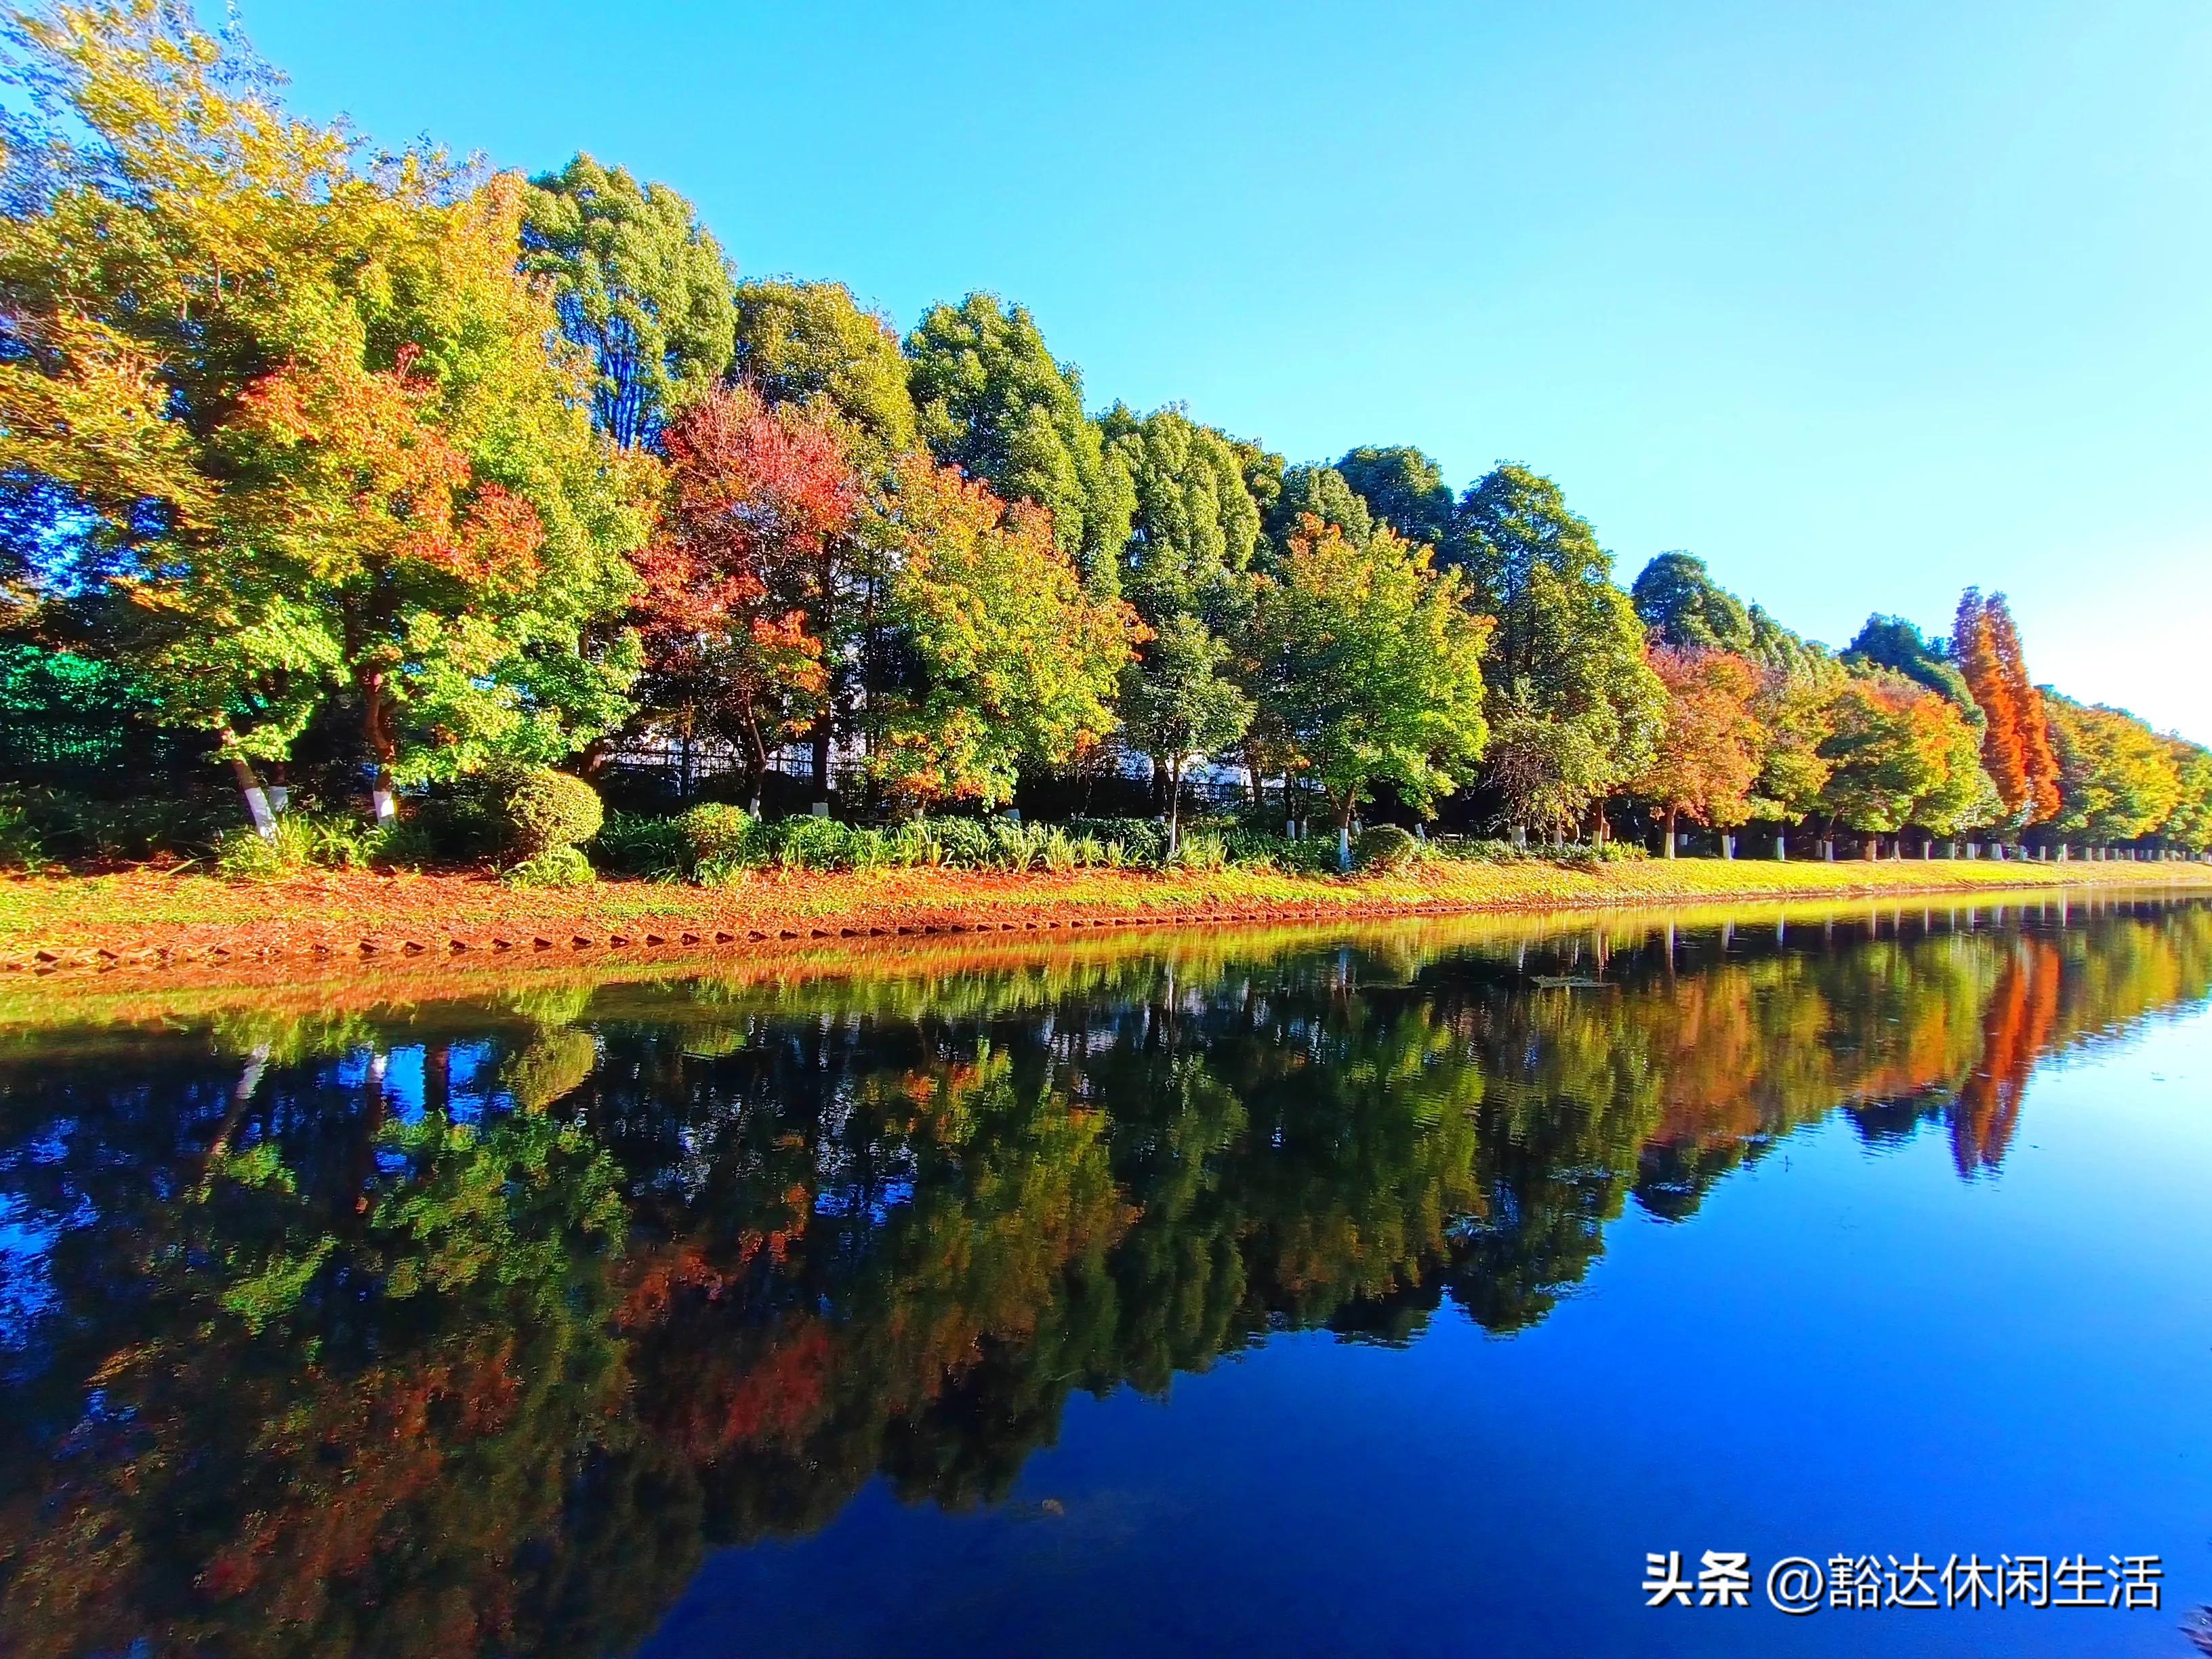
<point x="337" y="451"/>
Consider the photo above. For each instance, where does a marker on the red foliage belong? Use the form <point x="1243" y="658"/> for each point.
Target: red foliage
<point x="758" y="499"/>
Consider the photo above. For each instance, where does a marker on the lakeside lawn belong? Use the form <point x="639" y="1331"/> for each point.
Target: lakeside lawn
<point x="150" y="916"/>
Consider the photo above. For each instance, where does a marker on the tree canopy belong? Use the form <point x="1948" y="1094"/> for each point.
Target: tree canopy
<point x="1366" y="664"/>
<point x="1576" y="706"/>
<point x="637" y="283"/>
<point x="796" y="342"/>
<point x="1402" y="488"/>
<point x="994" y="403"/>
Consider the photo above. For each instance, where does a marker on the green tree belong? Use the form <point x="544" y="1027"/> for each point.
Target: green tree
<point x="2189" y="826"/>
<point x="1403" y="489"/>
<point x="1195" y="525"/>
<point x="310" y="413"/>
<point x="2118" y="780"/>
<point x="638" y="283"/>
<point x="1320" y="493"/>
<point x="1900" y="754"/>
<point x="994" y="403"/>
<point x="799" y="341"/>
<point x="1366" y="662"/>
<point x="1684" y="607"/>
<point x="1575" y="706"/>
<point x="1897" y="644"/>
<point x="1176" y="705"/>
<point x="1009" y="660"/>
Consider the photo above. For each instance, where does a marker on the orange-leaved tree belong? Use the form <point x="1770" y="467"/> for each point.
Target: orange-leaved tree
<point x="2039" y="755"/>
<point x="1711" y="744"/>
<point x="2016" y="747"/>
<point x="321" y="449"/>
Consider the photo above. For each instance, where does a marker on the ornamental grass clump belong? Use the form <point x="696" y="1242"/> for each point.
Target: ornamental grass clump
<point x="556" y="866"/>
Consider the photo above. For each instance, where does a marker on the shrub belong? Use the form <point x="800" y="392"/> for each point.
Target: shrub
<point x="810" y="844"/>
<point x="555" y="866"/>
<point x="66" y="825"/>
<point x="1014" y="845"/>
<point x="1143" y="841"/>
<point x="1057" y="849"/>
<point x="962" y="843"/>
<point x="912" y="843"/>
<point x="538" y="809"/>
<point x="316" y="840"/>
<point x="633" y="844"/>
<point x="1384" y="849"/>
<point x="1199" y="852"/>
<point x="712" y="831"/>
<point x="1583" y="855"/>
<point x="244" y="854"/>
<point x="20" y="847"/>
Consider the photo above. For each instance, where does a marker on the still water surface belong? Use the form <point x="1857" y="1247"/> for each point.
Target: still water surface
<point x="1387" y="1292"/>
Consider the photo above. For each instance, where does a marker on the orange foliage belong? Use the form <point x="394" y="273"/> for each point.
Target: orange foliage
<point x="2016" y="1029"/>
<point x="1709" y="750"/>
<point x="2016" y="746"/>
<point x="369" y="477"/>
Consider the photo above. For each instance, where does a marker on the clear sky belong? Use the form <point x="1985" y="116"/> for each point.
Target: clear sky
<point x="1862" y="302"/>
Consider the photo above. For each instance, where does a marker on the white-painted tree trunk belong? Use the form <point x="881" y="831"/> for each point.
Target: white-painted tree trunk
<point x="256" y="797"/>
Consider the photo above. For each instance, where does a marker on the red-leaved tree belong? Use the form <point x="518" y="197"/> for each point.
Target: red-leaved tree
<point x="733" y="605"/>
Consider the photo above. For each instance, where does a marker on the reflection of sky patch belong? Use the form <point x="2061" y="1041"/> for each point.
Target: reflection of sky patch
<point x="404" y="1083"/>
<point x="26" y="1286"/>
<point x="851" y="1200"/>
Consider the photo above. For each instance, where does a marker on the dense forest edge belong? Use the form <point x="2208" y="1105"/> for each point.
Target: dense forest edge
<point x="370" y="514"/>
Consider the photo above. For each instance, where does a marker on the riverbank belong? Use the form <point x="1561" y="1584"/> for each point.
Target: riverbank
<point x="151" y="919"/>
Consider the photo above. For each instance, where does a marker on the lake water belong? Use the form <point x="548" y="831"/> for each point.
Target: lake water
<point x="1391" y="1291"/>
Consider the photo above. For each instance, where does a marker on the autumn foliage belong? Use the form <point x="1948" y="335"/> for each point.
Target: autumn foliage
<point x="730" y="587"/>
<point x="2016" y="747"/>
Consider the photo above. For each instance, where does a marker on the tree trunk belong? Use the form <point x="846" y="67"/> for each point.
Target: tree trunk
<point x="1344" y="836"/>
<point x="256" y="799"/>
<point x="376" y="728"/>
<point x="1672" y="814"/>
<point x="1175" y="805"/>
<point x="821" y="759"/>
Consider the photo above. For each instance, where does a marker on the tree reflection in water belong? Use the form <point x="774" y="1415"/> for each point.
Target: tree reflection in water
<point x="468" y="1325"/>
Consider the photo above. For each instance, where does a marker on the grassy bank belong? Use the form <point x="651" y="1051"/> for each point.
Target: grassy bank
<point x="153" y="918"/>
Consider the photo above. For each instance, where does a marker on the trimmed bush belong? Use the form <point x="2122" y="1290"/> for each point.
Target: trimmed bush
<point x="538" y="809"/>
<point x="1383" y="849"/>
<point x="712" y="831"/>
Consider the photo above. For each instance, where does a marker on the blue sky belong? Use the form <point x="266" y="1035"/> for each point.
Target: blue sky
<point x="1861" y="303"/>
